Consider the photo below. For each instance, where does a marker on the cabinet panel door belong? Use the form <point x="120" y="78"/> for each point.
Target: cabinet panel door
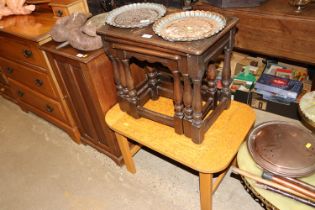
<point x="72" y="77"/>
<point x="80" y="98"/>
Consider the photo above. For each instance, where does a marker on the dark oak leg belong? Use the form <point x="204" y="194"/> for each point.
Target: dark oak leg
<point x="211" y="76"/>
<point x="226" y="73"/>
<point x="178" y="105"/>
<point x="119" y="88"/>
<point x="132" y="93"/>
<point x="123" y="91"/>
<point x="187" y="97"/>
<point x="152" y="76"/>
<point x="197" y="135"/>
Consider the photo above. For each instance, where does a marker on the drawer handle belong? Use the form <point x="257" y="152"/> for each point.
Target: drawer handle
<point x="59" y="13"/>
<point x="27" y="53"/>
<point x="9" y="70"/>
<point x="20" y="93"/>
<point x="49" y="109"/>
<point x="38" y="82"/>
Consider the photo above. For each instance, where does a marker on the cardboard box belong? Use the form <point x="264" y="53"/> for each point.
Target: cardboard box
<point x="257" y="101"/>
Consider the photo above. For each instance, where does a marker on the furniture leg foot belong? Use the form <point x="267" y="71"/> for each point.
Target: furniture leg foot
<point x="126" y="153"/>
<point x="205" y="185"/>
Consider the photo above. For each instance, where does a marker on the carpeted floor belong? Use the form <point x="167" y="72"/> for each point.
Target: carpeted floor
<point x="41" y="168"/>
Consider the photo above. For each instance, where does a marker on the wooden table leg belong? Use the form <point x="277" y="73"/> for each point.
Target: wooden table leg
<point x="126" y="153"/>
<point x="205" y="185"/>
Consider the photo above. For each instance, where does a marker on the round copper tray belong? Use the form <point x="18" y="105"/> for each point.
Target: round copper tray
<point x="283" y="148"/>
<point x="189" y="25"/>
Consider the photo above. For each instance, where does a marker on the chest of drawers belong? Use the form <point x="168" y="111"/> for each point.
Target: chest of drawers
<point x="26" y="76"/>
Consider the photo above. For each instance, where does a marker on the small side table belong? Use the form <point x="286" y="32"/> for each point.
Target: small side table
<point x="214" y="155"/>
<point x="187" y="76"/>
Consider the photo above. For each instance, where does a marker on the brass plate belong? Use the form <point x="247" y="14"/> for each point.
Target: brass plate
<point x="283" y="148"/>
<point x="189" y="25"/>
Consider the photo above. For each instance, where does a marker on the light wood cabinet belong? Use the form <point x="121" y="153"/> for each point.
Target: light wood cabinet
<point x="26" y="76"/>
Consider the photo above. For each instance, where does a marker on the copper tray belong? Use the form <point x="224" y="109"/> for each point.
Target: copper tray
<point x="283" y="148"/>
<point x="189" y="25"/>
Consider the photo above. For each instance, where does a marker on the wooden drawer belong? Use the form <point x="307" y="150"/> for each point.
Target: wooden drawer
<point x="22" y="50"/>
<point x="36" y="80"/>
<point x="39" y="101"/>
<point x="5" y="91"/>
<point x="63" y="8"/>
<point x="60" y="11"/>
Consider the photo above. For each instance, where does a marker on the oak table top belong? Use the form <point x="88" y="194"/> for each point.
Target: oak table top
<point x="135" y="35"/>
<point x="216" y="152"/>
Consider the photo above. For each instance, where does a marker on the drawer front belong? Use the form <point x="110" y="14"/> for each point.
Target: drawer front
<point x="41" y="102"/>
<point x="34" y="79"/>
<point x="5" y="90"/>
<point x="22" y="51"/>
<point x="3" y="79"/>
<point x="60" y="11"/>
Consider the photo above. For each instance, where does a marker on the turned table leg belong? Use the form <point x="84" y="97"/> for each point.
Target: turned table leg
<point x="126" y="153"/>
<point x="205" y="185"/>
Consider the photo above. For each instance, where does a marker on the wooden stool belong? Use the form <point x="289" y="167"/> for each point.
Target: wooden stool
<point x="188" y="76"/>
<point x="214" y="155"/>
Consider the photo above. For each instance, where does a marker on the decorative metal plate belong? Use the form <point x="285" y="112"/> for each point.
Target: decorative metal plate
<point x="97" y="20"/>
<point x="135" y="15"/>
<point x="283" y="148"/>
<point x="189" y="25"/>
<point x="307" y="109"/>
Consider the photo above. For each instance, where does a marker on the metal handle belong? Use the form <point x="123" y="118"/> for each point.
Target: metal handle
<point x="20" y="93"/>
<point x="38" y="82"/>
<point x="49" y="109"/>
<point x="27" y="53"/>
<point x="59" y="13"/>
<point x="9" y="70"/>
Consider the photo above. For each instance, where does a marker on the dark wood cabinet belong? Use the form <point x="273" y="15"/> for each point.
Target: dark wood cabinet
<point x="87" y="83"/>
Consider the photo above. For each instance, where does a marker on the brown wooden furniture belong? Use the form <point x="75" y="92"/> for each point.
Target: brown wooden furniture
<point x="274" y="29"/>
<point x="186" y="65"/>
<point x="214" y="155"/>
<point x="88" y="83"/>
<point x="26" y="76"/>
<point x="63" y="8"/>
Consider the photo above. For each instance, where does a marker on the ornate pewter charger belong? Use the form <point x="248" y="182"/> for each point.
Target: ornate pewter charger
<point x="307" y="110"/>
<point x="283" y="148"/>
<point x="189" y="25"/>
<point x="135" y="15"/>
<point x="97" y="20"/>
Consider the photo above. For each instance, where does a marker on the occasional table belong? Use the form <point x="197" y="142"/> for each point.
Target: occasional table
<point x="214" y="155"/>
<point x="184" y="75"/>
<point x="269" y="200"/>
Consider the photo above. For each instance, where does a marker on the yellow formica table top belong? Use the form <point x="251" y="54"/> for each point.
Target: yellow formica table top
<point x="221" y="142"/>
